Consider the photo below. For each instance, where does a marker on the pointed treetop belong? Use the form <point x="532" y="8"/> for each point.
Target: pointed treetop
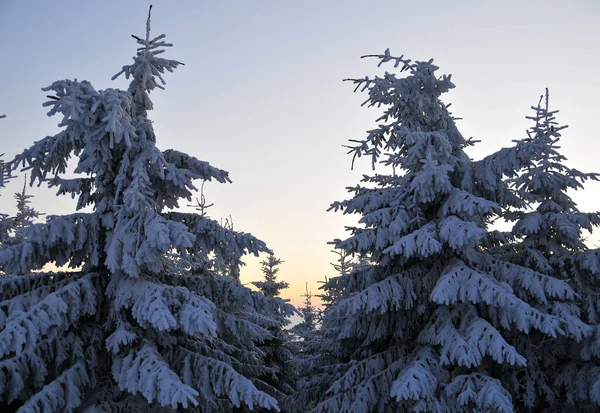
<point x="146" y="42"/>
<point x="392" y="91"/>
<point x="545" y="121"/>
<point x="309" y="313"/>
<point x="25" y="213"/>
<point x="148" y="24"/>
<point x="307" y="296"/>
<point x="201" y="204"/>
<point x="147" y="67"/>
<point x="270" y="287"/>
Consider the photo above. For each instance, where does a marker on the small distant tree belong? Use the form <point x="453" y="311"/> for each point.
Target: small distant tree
<point x="25" y="217"/>
<point x="271" y="287"/>
<point x="316" y="352"/>
<point x="344" y="263"/>
<point x="25" y="213"/>
<point x="310" y="317"/>
<point x="13" y="229"/>
<point x="278" y="349"/>
<point x="343" y="266"/>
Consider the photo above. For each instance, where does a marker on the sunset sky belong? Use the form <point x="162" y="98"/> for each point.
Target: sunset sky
<point x="261" y="93"/>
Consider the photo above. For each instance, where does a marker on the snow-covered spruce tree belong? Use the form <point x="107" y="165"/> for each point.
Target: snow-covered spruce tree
<point x="278" y="352"/>
<point x="561" y="374"/>
<point x="126" y="330"/>
<point x="425" y="326"/>
<point x="310" y="317"/>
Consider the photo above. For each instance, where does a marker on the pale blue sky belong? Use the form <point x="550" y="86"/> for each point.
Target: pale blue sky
<point x="261" y="93"/>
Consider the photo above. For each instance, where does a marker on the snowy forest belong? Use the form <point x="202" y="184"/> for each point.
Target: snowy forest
<point x="465" y="285"/>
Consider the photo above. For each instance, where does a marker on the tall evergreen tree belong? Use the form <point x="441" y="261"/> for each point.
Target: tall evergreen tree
<point x="430" y="324"/>
<point x="561" y="374"/>
<point x="126" y="330"/>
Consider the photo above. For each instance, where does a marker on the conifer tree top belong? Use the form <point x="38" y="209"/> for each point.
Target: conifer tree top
<point x="270" y="287"/>
<point x="147" y="69"/>
<point x="120" y="172"/>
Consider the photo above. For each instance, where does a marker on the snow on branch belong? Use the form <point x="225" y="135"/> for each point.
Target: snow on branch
<point x="424" y="242"/>
<point x="461" y="284"/>
<point x="216" y="379"/>
<point x="62" y="394"/>
<point x="419" y="379"/>
<point x="28" y="299"/>
<point x="68" y="239"/>
<point x="11" y="287"/>
<point x="56" y="312"/>
<point x="487" y="393"/>
<point x="199" y="169"/>
<point x="147" y="69"/>
<point x="144" y="371"/>
<point x="164" y="307"/>
<point x="393" y="293"/>
<point x="228" y="294"/>
<point x="212" y="236"/>
<point x="539" y="286"/>
<point x="468" y="344"/>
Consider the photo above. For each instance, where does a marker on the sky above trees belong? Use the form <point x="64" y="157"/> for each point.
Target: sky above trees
<point x="262" y="96"/>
